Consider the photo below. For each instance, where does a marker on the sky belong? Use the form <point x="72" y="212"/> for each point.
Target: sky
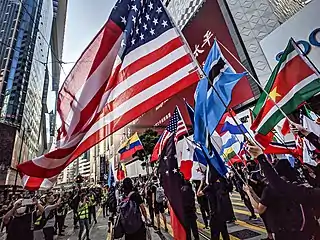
<point x="84" y="20"/>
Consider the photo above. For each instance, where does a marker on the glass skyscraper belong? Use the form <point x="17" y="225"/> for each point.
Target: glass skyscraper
<point x="25" y="33"/>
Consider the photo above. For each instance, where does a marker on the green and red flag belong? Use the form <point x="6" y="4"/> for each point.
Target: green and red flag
<point x="293" y="81"/>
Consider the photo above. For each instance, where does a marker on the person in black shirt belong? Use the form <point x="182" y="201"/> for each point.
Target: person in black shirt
<point x="149" y="201"/>
<point x="134" y="196"/>
<point x="307" y="197"/>
<point x="21" y="217"/>
<point x="218" y="217"/>
<point x="189" y="207"/>
<point x="204" y="205"/>
<point x="111" y="205"/>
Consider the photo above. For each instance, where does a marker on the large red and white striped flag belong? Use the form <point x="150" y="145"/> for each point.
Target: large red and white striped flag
<point x="137" y="60"/>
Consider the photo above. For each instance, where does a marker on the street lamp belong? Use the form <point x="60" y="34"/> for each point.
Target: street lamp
<point x="26" y="130"/>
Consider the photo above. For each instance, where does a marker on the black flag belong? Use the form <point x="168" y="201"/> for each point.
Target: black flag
<point x="172" y="182"/>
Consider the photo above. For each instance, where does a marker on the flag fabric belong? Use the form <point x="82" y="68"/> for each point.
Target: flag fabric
<point x="34" y="183"/>
<point x="121" y="171"/>
<point x="130" y="146"/>
<point x="193" y="163"/>
<point x="270" y="146"/>
<point x="232" y="127"/>
<point x="190" y="112"/>
<point x="209" y="107"/>
<point x="172" y="183"/>
<point x="137" y="60"/>
<point x="111" y="179"/>
<point x="176" y="127"/>
<point x="293" y="81"/>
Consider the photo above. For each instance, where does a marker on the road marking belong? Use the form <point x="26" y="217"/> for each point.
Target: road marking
<point x="251" y="226"/>
<point x="238" y="204"/>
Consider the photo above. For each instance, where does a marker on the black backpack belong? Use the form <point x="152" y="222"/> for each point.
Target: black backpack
<point x="129" y="216"/>
<point x="292" y="218"/>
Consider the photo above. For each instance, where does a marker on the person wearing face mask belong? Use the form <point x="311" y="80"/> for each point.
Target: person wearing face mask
<point x="49" y="215"/>
<point x="21" y="216"/>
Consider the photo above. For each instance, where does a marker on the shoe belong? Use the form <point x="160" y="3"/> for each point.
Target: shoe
<point x="166" y="229"/>
<point x="76" y="227"/>
<point x="95" y="222"/>
<point x="65" y="226"/>
<point x="205" y="227"/>
<point x="266" y="238"/>
<point x="61" y="234"/>
<point x="254" y="217"/>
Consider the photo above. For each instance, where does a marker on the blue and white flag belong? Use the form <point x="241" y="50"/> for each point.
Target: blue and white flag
<point x="211" y="102"/>
<point x="111" y="179"/>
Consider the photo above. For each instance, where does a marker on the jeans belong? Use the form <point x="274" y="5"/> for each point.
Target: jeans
<point x="84" y="223"/>
<point x="48" y="233"/>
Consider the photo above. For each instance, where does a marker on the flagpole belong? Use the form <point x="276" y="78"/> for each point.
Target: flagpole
<point x="256" y="81"/>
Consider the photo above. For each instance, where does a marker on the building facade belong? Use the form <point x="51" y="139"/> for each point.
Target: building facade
<point x="25" y="75"/>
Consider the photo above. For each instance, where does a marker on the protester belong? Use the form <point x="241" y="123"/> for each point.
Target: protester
<point x="149" y="201"/>
<point x="218" y="218"/>
<point x="21" y="218"/>
<point x="83" y="214"/>
<point x="104" y="202"/>
<point x="189" y="207"/>
<point x="158" y="200"/>
<point x="301" y="195"/>
<point x="111" y="205"/>
<point x="204" y="206"/>
<point x="49" y="215"/>
<point x="92" y="206"/>
<point x="130" y="208"/>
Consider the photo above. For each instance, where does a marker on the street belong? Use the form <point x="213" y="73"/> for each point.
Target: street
<point x="241" y="229"/>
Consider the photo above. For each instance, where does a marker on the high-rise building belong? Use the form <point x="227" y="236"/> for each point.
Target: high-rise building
<point x="25" y="73"/>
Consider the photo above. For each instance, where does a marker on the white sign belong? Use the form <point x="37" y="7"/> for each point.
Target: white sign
<point x="303" y="27"/>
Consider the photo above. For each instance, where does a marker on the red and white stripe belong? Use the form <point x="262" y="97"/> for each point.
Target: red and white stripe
<point x="103" y="93"/>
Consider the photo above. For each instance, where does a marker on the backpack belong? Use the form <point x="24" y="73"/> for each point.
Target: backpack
<point x="130" y="215"/>
<point x="292" y="218"/>
<point x="160" y="196"/>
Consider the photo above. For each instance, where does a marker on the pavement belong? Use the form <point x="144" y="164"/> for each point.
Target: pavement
<point x="241" y="229"/>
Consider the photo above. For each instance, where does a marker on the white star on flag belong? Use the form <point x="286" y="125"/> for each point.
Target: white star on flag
<point x="175" y="170"/>
<point x="159" y="10"/>
<point x="134" y="8"/>
<point x="145" y="26"/>
<point x="152" y="31"/>
<point x="134" y="19"/>
<point x="150" y="6"/>
<point x="155" y="21"/>
<point x="123" y="20"/>
<point x="164" y="23"/>
<point x="141" y="36"/>
<point x="147" y="17"/>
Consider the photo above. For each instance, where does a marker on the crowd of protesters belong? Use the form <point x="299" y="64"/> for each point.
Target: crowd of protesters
<point x="285" y="196"/>
<point x="29" y="216"/>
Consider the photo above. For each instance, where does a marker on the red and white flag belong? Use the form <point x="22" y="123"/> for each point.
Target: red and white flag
<point x="137" y="60"/>
<point x="176" y="126"/>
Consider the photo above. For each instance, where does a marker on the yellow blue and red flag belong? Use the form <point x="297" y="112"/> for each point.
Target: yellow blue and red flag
<point x="130" y="146"/>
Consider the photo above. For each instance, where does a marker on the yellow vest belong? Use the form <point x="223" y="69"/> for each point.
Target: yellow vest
<point x="83" y="212"/>
<point x="92" y="201"/>
<point x="38" y="221"/>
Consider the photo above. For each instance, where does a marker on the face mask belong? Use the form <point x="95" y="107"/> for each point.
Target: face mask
<point x="21" y="210"/>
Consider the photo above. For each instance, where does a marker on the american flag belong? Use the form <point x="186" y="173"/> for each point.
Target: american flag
<point x="177" y="127"/>
<point x="137" y="60"/>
